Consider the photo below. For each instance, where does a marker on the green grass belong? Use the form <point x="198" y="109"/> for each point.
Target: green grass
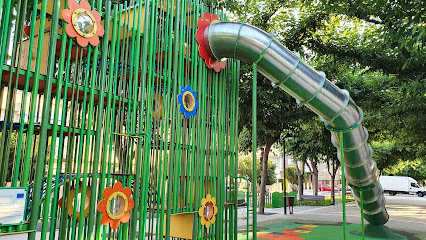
<point x="327" y="201"/>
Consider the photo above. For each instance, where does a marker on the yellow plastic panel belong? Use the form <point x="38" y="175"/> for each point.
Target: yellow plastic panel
<point x="181" y="225"/>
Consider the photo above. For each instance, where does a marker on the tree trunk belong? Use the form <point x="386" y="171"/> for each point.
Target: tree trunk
<point x="333" y="198"/>
<point x="314" y="170"/>
<point x="300" y="175"/>
<point x="315" y="173"/>
<point x="264" y="178"/>
<point x="334" y="168"/>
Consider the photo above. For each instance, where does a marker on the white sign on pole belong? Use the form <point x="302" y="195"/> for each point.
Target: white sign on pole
<point x="12" y="205"/>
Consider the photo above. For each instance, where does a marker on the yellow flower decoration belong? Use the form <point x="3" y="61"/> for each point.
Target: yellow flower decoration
<point x="208" y="210"/>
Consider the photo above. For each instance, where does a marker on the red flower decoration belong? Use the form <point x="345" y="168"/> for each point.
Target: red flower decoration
<point x="83" y="23"/>
<point x="211" y="61"/>
<point x="116" y="205"/>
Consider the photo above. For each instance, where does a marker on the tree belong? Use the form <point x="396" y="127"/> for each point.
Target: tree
<point x="332" y="167"/>
<point x="292" y="177"/>
<point x="276" y="112"/>
<point x="311" y="145"/>
<point x="375" y="49"/>
<point x="245" y="168"/>
<point x="414" y="169"/>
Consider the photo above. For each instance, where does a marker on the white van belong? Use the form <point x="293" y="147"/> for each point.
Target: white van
<point x="401" y="184"/>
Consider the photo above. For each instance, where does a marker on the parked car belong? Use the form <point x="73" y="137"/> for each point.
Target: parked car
<point x="339" y="187"/>
<point x="401" y="184"/>
<point x="325" y="187"/>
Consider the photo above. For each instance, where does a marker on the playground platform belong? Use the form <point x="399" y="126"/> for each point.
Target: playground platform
<point x="406" y="221"/>
<point x="320" y="230"/>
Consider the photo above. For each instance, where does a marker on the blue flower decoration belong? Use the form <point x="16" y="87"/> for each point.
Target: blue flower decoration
<point x="188" y="101"/>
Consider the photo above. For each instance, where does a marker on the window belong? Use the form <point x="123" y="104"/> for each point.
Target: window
<point x="413" y="184"/>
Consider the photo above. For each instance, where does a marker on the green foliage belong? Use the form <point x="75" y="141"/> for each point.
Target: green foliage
<point x="276" y="111"/>
<point x="327" y="201"/>
<point x="311" y="140"/>
<point x="245" y="168"/>
<point x="385" y="154"/>
<point x="291" y="175"/>
<point x="415" y="169"/>
<point x="374" y="49"/>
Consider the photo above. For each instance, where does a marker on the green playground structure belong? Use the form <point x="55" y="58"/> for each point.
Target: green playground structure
<point x="120" y="121"/>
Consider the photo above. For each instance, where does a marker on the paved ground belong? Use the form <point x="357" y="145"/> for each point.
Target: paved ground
<point x="407" y="221"/>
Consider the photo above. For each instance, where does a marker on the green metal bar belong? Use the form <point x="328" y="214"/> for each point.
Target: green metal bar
<point x="248" y="202"/>
<point x="181" y="123"/>
<point x="139" y="154"/>
<point x="46" y="105"/>
<point x="147" y="143"/>
<point x="167" y="115"/>
<point x="10" y="104"/>
<point x="40" y="168"/>
<point x="342" y="166"/>
<point x="221" y="161"/>
<point x="66" y="188"/>
<point x="24" y="97"/>
<point x="361" y="196"/>
<point x="236" y="101"/>
<point x="174" y="118"/>
<point x="5" y="141"/>
<point x="21" y="128"/>
<point x="109" y="118"/>
<point x="79" y="146"/>
<point x="5" y="33"/>
<point x="161" y="164"/>
<point x="254" y="148"/>
<point x="99" y="126"/>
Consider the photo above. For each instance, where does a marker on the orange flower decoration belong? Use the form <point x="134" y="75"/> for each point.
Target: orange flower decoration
<point x="83" y="23"/>
<point x="210" y="60"/>
<point x="71" y="203"/>
<point x="116" y="205"/>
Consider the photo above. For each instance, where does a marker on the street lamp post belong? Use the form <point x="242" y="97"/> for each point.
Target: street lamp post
<point x="284" y="181"/>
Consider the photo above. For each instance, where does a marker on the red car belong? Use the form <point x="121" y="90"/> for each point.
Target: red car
<point x="324" y="187"/>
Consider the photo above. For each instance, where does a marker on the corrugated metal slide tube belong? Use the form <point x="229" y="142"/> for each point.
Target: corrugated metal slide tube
<point x="311" y="88"/>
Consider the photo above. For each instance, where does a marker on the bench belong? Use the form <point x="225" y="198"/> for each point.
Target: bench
<point x="312" y="198"/>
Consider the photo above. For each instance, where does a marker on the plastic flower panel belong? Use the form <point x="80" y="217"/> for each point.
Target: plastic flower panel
<point x="202" y="24"/>
<point x="116" y="205"/>
<point x="188" y="101"/>
<point x="83" y="23"/>
<point x="208" y="211"/>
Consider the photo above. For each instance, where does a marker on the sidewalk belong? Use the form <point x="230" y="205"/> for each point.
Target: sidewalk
<point x="406" y="222"/>
<point x="273" y="213"/>
<point x="412" y="218"/>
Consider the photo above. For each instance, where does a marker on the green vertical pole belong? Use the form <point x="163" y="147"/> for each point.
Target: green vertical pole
<point x="53" y="36"/>
<point x="342" y="166"/>
<point x="93" y="221"/>
<point x="361" y="196"/>
<point x="26" y="164"/>
<point x="254" y="148"/>
<point x="108" y="138"/>
<point x="40" y="169"/>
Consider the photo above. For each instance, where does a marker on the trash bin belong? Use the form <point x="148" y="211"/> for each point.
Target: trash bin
<point x="290" y="203"/>
<point x="277" y="200"/>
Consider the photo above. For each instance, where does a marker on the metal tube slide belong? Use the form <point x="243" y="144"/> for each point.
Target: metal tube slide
<point x="312" y="89"/>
